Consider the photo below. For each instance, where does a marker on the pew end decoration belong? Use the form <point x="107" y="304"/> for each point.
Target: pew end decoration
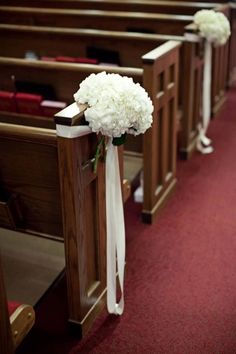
<point x="214" y="27"/>
<point x="116" y="107"/>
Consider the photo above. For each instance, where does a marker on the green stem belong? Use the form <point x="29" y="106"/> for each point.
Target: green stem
<point x="98" y="154"/>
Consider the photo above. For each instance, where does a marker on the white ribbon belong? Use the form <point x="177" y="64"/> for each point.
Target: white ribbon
<point x="206" y="102"/>
<point x="138" y="194"/>
<point x="192" y="37"/>
<point x="115" y="231"/>
<point x="72" y="132"/>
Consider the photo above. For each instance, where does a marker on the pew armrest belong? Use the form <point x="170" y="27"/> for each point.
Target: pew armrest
<point x="22" y="320"/>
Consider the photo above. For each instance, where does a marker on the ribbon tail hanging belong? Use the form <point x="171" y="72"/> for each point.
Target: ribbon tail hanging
<point x="206" y="102"/>
<point x="115" y="231"/>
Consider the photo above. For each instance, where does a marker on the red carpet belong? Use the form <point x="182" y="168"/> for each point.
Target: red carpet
<point x="180" y="289"/>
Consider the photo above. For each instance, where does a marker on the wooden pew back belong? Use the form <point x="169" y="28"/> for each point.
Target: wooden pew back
<point x="17" y="39"/>
<point x="106" y="20"/>
<point x="119" y="21"/>
<point x="30" y="181"/>
<point x="169" y="7"/>
<point x="63" y="76"/>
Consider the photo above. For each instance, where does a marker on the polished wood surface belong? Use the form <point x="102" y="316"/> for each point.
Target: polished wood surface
<point x="219" y="62"/>
<point x="63" y="74"/>
<point x="106" y="20"/>
<point x="60" y="196"/>
<point x="29" y="171"/>
<point x="83" y="208"/>
<point x="16" y="39"/>
<point x="46" y="41"/>
<point x="118" y="5"/>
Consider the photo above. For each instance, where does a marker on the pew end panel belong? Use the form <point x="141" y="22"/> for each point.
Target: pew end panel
<point x="84" y="220"/>
<point x="161" y="82"/>
<point x="232" y="54"/>
<point x="221" y="67"/>
<point x="190" y="88"/>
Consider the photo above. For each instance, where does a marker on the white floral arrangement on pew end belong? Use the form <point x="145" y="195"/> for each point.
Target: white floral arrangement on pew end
<point x="212" y="25"/>
<point x="116" y="106"/>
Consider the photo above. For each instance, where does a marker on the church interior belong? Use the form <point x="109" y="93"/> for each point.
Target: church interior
<point x="117" y="177"/>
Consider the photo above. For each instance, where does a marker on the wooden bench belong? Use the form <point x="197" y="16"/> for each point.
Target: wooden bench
<point x="61" y="76"/>
<point x="36" y="166"/>
<point x="107" y="20"/>
<point x="17" y="39"/>
<point x="48" y="183"/>
<point x="121" y="21"/>
<point x="169" y="7"/>
<point x="16" y="320"/>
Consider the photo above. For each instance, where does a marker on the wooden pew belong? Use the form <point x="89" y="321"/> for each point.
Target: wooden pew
<point x="106" y="20"/>
<point x="62" y="76"/>
<point x="35" y="166"/>
<point x="119" y="21"/>
<point x="16" y="40"/>
<point x="61" y="197"/>
<point x="158" y="6"/>
<point x="15" y="321"/>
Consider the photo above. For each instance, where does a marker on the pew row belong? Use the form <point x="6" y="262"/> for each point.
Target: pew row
<point x="17" y="39"/>
<point x="62" y="198"/>
<point x="119" y="21"/>
<point x="169" y="7"/>
<point x="62" y="77"/>
<point x="96" y="19"/>
<point x="16" y="320"/>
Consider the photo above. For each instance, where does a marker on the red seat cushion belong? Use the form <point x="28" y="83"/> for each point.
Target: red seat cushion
<point x="86" y="60"/>
<point x="29" y="103"/>
<point x="66" y="59"/>
<point x="12" y="306"/>
<point x="48" y="58"/>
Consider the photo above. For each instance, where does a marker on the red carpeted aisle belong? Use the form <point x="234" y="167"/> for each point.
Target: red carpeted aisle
<point x="180" y="288"/>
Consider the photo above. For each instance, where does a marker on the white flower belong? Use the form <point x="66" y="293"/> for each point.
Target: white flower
<point x="116" y="104"/>
<point x="214" y="26"/>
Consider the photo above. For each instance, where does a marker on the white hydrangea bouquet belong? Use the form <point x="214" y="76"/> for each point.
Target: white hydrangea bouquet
<point x="116" y="107"/>
<point x="215" y="28"/>
<point x="212" y="25"/>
